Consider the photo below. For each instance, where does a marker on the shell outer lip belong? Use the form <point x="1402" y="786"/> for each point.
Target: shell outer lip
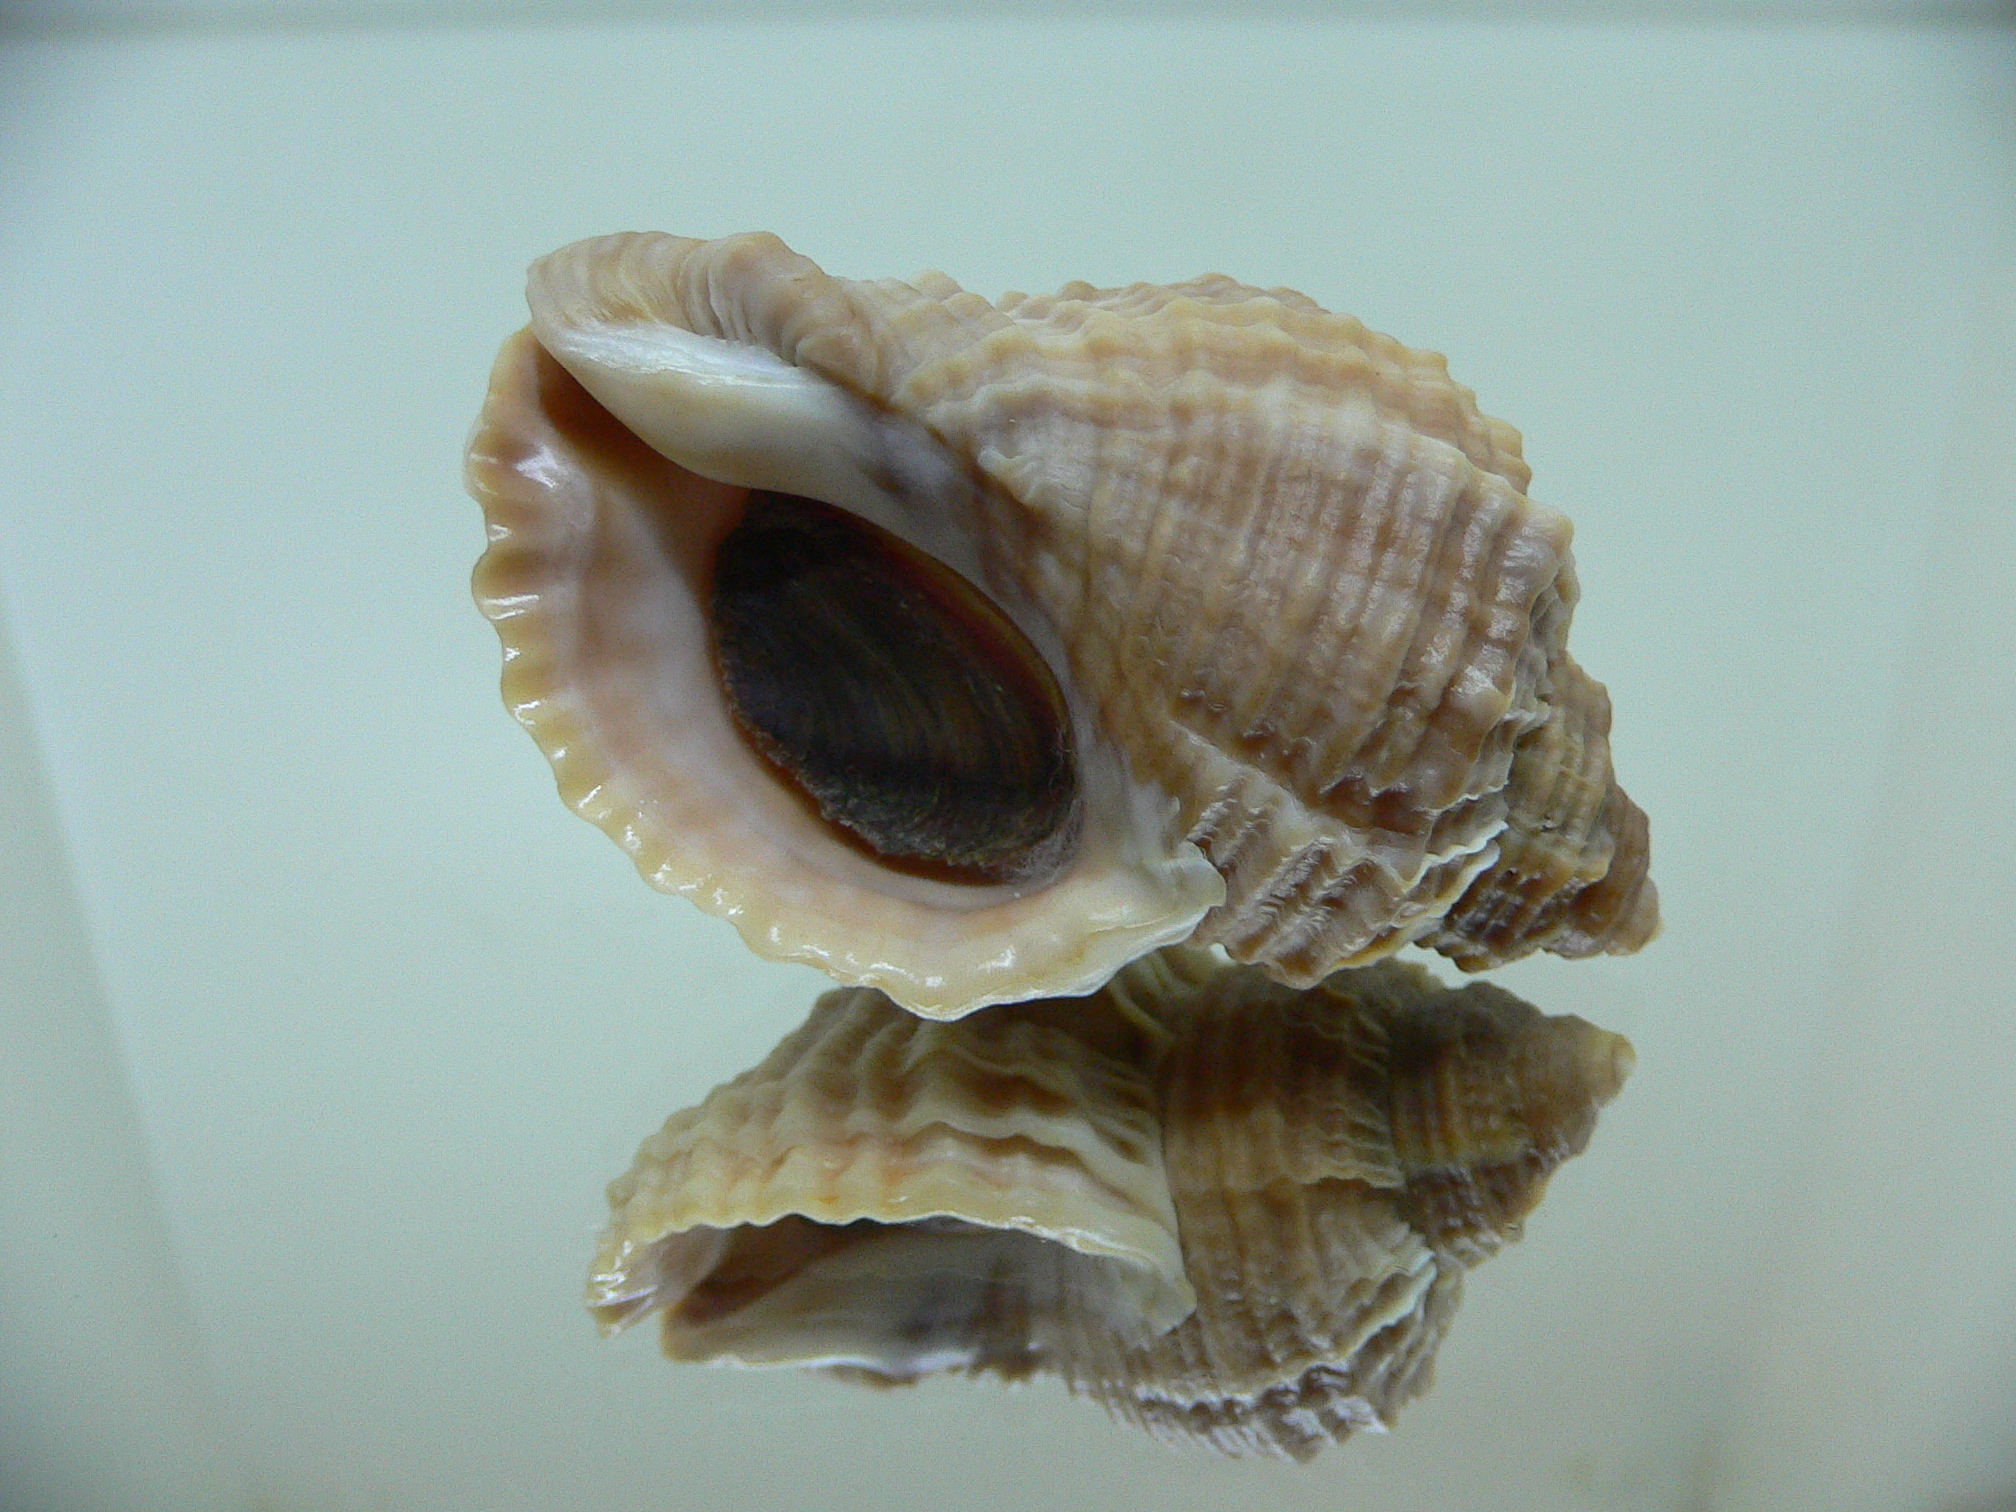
<point x="1095" y="918"/>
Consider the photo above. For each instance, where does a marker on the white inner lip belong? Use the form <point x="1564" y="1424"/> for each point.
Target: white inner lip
<point x="740" y="414"/>
<point x="907" y="1300"/>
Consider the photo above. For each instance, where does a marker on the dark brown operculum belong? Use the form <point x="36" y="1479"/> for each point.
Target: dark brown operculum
<point x="1487" y="1096"/>
<point x="893" y="695"/>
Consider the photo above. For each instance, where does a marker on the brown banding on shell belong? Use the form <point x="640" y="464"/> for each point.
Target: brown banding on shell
<point x="1235" y="1213"/>
<point x="1308" y="629"/>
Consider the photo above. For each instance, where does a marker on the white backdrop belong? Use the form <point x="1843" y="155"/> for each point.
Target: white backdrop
<point x="325" y="1023"/>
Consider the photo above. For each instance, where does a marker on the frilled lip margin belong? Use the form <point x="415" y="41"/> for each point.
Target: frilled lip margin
<point x="603" y="638"/>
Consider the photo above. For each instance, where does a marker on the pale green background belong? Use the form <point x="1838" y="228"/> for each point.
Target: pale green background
<point x="324" y="1022"/>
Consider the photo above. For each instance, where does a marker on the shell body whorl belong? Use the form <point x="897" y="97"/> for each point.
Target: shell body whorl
<point x="1234" y="1213"/>
<point x="1309" y="629"/>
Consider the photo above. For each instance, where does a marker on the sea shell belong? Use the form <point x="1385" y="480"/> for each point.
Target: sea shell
<point x="1145" y="613"/>
<point x="1233" y="1212"/>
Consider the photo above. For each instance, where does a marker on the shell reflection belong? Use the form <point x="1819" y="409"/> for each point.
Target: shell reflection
<point x="1224" y="619"/>
<point x="1232" y="1212"/>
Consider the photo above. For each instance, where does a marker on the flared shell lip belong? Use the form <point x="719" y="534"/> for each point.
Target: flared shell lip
<point x="519" y="586"/>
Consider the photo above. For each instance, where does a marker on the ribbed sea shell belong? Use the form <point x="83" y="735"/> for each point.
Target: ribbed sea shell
<point x="1271" y="640"/>
<point x="1233" y="1212"/>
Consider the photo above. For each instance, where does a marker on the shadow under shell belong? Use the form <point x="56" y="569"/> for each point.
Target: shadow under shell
<point x="893" y="695"/>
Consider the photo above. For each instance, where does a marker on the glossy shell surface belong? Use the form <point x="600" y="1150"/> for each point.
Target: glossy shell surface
<point x="1306" y="632"/>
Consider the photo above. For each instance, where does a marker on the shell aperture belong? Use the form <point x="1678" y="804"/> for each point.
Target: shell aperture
<point x="910" y="710"/>
<point x="1307" y="632"/>
<point x="1234" y="1213"/>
